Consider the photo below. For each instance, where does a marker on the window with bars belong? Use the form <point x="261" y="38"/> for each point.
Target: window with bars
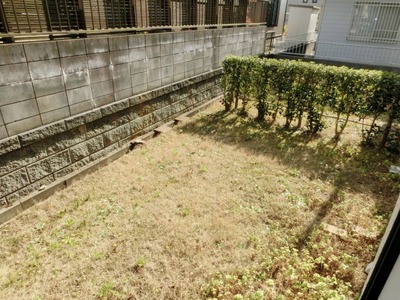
<point x="119" y="13"/>
<point x="64" y="15"/>
<point x="159" y="13"/>
<point x="375" y="22"/>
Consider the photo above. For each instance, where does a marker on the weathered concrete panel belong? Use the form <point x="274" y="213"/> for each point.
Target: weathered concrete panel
<point x="75" y="80"/>
<point x="41" y="51"/>
<point x="23" y="125"/>
<point x="137" y="54"/>
<point x="120" y="71"/>
<point x="152" y="39"/>
<point x="153" y="51"/>
<point x="79" y="95"/>
<point x="96" y="45"/>
<point x="138" y="89"/>
<point x="55" y="115"/>
<point x="16" y="92"/>
<point x="12" y="54"/>
<point x="154" y="84"/>
<point x="3" y="132"/>
<point x="166" y="49"/>
<point x="48" y="86"/>
<point x="153" y="75"/>
<point x="102" y="88"/>
<point x="138" y="67"/>
<point x="123" y="94"/>
<point x="167" y="60"/>
<point x="74" y="64"/>
<point x="167" y="71"/>
<point x="139" y="79"/>
<point x="136" y="41"/>
<point x="100" y="74"/>
<point x="19" y="111"/>
<point x="103" y="100"/>
<point x="81" y="107"/>
<point x="45" y="69"/>
<point x="118" y="43"/>
<point x="122" y="83"/>
<point x="52" y="102"/>
<point x="14" y="74"/>
<point x="99" y="60"/>
<point x="71" y="47"/>
<point x="119" y="57"/>
<point x="153" y="63"/>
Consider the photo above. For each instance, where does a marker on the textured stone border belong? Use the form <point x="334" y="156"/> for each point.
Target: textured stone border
<point x="39" y="196"/>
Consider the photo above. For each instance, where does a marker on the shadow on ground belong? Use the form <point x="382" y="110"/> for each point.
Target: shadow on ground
<point x="348" y="167"/>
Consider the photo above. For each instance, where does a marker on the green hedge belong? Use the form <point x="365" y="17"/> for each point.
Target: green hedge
<point x="301" y="90"/>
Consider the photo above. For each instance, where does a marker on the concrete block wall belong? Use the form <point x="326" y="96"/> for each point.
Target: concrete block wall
<point x="45" y="82"/>
<point x="66" y="104"/>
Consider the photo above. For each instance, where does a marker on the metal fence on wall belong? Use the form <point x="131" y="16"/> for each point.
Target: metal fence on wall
<point x="57" y="16"/>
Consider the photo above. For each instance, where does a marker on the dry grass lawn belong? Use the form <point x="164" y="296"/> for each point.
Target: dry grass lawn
<point x="221" y="207"/>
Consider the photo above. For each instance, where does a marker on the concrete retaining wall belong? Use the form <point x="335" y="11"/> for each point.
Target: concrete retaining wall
<point x="66" y="104"/>
<point x="41" y="83"/>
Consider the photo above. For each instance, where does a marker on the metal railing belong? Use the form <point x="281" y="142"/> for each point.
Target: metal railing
<point x="32" y="17"/>
<point x="308" y="46"/>
<point x="301" y="44"/>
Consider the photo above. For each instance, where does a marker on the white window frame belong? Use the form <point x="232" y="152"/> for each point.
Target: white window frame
<point x="370" y="31"/>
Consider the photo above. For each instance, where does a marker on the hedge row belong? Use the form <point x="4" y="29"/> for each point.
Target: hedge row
<point x="299" y="90"/>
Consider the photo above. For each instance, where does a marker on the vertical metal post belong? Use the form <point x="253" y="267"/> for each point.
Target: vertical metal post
<point x="68" y="14"/>
<point x="27" y="16"/>
<point x="38" y="16"/>
<point x="48" y="17"/>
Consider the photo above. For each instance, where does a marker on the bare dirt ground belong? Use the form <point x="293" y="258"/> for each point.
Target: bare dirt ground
<point x="221" y="207"/>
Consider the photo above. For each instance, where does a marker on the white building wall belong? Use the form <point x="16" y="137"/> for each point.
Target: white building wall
<point x="391" y="290"/>
<point x="299" y="21"/>
<point x="336" y="21"/>
<point x="333" y="43"/>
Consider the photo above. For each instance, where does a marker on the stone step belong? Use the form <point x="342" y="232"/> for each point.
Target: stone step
<point x="162" y="129"/>
<point x="181" y="119"/>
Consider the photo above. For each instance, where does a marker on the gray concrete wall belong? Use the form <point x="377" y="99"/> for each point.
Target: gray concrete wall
<point x="67" y="104"/>
<point x="44" y="82"/>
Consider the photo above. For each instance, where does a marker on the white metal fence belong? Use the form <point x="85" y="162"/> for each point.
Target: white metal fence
<point x="353" y="53"/>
